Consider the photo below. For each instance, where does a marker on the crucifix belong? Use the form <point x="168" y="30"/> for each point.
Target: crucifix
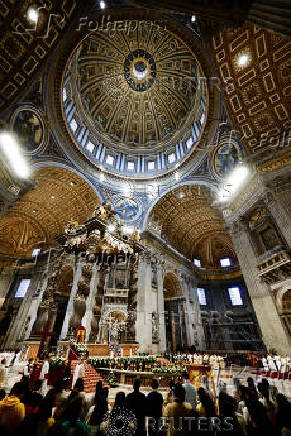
<point x="114" y="327"/>
<point x="45" y="334"/>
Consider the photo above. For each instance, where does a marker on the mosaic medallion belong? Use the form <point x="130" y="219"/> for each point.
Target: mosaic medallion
<point x="27" y="124"/>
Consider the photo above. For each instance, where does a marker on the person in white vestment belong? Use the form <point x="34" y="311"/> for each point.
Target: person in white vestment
<point x="79" y="372"/>
<point x="3" y="373"/>
<point x="44" y="376"/>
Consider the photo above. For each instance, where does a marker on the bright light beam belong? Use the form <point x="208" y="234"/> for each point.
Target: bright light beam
<point x="14" y="155"/>
<point x="233" y="182"/>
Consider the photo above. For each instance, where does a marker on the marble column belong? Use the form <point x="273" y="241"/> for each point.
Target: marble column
<point x="161" y="310"/>
<point x="144" y="305"/>
<point x="18" y="326"/>
<point x="90" y="302"/>
<point x="200" y="336"/>
<point x="69" y="312"/>
<point x="6" y="279"/>
<point x="173" y="328"/>
<point x="273" y="332"/>
<point x="32" y="314"/>
<point x="188" y="313"/>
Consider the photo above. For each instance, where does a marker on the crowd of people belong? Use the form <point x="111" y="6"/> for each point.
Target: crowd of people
<point x="252" y="410"/>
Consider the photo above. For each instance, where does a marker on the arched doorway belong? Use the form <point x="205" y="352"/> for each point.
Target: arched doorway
<point x="61" y="299"/>
<point x="174" y="313"/>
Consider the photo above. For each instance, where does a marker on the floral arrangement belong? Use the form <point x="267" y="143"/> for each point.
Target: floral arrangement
<point x="168" y="370"/>
<point x="81" y="348"/>
<point x="57" y="363"/>
<point x="111" y="380"/>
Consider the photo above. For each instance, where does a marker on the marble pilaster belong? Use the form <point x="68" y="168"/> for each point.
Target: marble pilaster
<point x="161" y="311"/>
<point x="69" y="312"/>
<point x="144" y="305"/>
<point x="87" y="318"/>
<point x="273" y="332"/>
<point x="18" y="326"/>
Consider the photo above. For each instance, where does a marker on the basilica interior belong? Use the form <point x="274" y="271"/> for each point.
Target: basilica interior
<point x="145" y="190"/>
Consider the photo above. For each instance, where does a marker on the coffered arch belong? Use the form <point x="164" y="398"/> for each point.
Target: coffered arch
<point x="192" y="225"/>
<point x="172" y="285"/>
<point x="40" y="215"/>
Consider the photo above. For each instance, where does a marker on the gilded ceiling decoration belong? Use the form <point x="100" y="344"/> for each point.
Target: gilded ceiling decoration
<point x="192" y="226"/>
<point x="254" y="68"/>
<point x="130" y="87"/>
<point x="25" y="45"/>
<point x="35" y="220"/>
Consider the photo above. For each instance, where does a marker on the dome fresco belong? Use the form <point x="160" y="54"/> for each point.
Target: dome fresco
<point x="133" y="100"/>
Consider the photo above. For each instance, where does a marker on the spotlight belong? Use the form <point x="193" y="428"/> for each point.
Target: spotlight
<point x="102" y="4"/>
<point x="14" y="155"/>
<point x="127" y="230"/>
<point x="243" y="60"/>
<point x="111" y="228"/>
<point x="193" y="18"/>
<point x="128" y="190"/>
<point x="233" y="182"/>
<point x="32" y="15"/>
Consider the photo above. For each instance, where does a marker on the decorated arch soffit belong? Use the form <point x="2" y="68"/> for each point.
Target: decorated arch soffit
<point x="172" y="285"/>
<point x="190" y="224"/>
<point x="34" y="221"/>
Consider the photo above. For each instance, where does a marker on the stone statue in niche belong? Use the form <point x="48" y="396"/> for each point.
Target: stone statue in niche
<point x="264" y="233"/>
<point x="155" y="327"/>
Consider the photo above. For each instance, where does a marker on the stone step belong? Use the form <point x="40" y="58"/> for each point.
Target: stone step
<point x="91" y="377"/>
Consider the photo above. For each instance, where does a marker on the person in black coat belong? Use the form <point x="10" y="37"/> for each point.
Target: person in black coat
<point x="136" y="402"/>
<point x="154" y="408"/>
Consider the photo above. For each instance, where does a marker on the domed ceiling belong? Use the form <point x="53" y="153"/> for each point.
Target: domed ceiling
<point x="134" y="90"/>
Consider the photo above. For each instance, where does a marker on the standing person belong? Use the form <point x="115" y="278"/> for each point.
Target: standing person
<point x="98" y="411"/>
<point x="252" y="388"/>
<point x="190" y="391"/>
<point x="44" y="373"/>
<point x="67" y="375"/>
<point x="154" y="402"/>
<point x="207" y="407"/>
<point x="71" y="423"/>
<point x="37" y="424"/>
<point x="79" y="388"/>
<point x="125" y="426"/>
<point x="27" y="369"/>
<point x="79" y="372"/>
<point x="171" y="393"/>
<point x="136" y="402"/>
<point x="3" y="373"/>
<point x="283" y="421"/>
<point x="177" y="412"/>
<point x="12" y="409"/>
